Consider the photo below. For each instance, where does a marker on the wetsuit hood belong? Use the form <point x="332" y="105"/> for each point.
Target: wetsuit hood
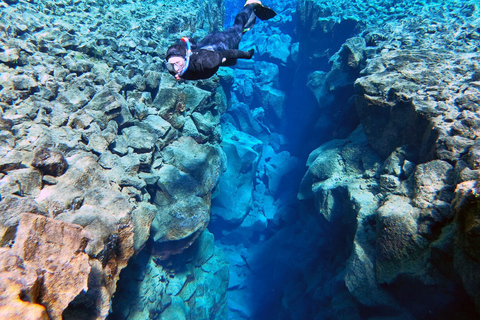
<point x="179" y="49"/>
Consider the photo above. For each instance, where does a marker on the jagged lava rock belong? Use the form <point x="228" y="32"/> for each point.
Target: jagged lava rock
<point x="53" y="284"/>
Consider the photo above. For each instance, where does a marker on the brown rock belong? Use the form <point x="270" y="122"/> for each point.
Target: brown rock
<point x="50" y="162"/>
<point x="15" y="279"/>
<point x="48" y="263"/>
<point x="6" y="124"/>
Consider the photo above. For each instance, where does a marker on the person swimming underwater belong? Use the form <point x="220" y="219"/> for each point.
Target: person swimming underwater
<point x="193" y="62"/>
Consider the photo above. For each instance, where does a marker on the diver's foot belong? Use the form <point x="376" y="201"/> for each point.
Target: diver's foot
<point x="253" y="2"/>
<point x="264" y="12"/>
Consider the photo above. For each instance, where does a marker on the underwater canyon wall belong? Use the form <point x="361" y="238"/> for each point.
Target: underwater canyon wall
<point x="386" y="96"/>
<point x="101" y="150"/>
<point x="403" y="185"/>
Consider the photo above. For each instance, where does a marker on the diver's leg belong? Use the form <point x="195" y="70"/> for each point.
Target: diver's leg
<point x="230" y="38"/>
<point x="229" y="57"/>
<point x="245" y="19"/>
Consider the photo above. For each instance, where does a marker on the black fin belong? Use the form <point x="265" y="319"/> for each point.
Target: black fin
<point x="263" y="12"/>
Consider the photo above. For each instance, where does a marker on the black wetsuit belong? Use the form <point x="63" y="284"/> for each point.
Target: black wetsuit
<point x="208" y="54"/>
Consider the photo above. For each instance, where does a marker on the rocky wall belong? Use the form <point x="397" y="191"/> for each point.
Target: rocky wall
<point x="412" y="187"/>
<point x="100" y="151"/>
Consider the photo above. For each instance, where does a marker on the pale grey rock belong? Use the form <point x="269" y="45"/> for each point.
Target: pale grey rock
<point x="149" y="178"/>
<point x="202" y="162"/>
<point x="97" y="144"/>
<point x="10" y="161"/>
<point x="434" y="183"/>
<point x="10" y="55"/>
<point x="175" y="182"/>
<point x="185" y="218"/>
<point x="73" y="99"/>
<point x="120" y="145"/>
<point x="139" y="139"/>
<point x="85" y="189"/>
<point x="107" y="101"/>
<point x="49" y="180"/>
<point x="156" y="125"/>
<point x="205" y="123"/>
<point x="78" y="66"/>
<point x="398" y="250"/>
<point x="29" y="181"/>
<point x="7" y="141"/>
<point x="24" y="82"/>
<point x="190" y="129"/>
<point x="11" y="208"/>
<point x="142" y="217"/>
<point x="5" y="124"/>
<point x="8" y="186"/>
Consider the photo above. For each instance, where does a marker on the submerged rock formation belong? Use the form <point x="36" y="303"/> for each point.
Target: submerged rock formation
<point x="415" y="98"/>
<point x="100" y="151"/>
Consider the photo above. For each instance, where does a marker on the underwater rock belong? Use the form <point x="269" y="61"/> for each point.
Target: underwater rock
<point x="50" y="162"/>
<point x="467" y="235"/>
<point x="62" y="92"/>
<point x="398" y="248"/>
<point x="186" y="180"/>
<point x="142" y="217"/>
<point x="23" y="82"/>
<point x="233" y="198"/>
<point x="156" y="125"/>
<point x="422" y="127"/>
<point x="273" y="47"/>
<point x="102" y="211"/>
<point x="62" y="245"/>
<point x="193" y="284"/>
<point x="29" y="181"/>
<point x="139" y="139"/>
<point x="10" y="161"/>
<point x="107" y="101"/>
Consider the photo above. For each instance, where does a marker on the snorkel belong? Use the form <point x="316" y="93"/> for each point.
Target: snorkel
<point x="187" y="57"/>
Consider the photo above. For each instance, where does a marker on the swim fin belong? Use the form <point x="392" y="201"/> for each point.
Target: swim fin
<point x="263" y="12"/>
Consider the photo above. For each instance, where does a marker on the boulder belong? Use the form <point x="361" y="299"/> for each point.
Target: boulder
<point x="10" y="161"/>
<point x="177" y="225"/>
<point x="108" y="102"/>
<point x="233" y="197"/>
<point x="139" y="139"/>
<point x="467" y="237"/>
<point x="50" y="162"/>
<point x="29" y="181"/>
<point x="65" y="275"/>
<point x="202" y="162"/>
<point x="142" y="218"/>
<point x="24" y="82"/>
<point x="399" y="249"/>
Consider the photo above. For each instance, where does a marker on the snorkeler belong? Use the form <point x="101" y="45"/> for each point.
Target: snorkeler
<point x="189" y="62"/>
